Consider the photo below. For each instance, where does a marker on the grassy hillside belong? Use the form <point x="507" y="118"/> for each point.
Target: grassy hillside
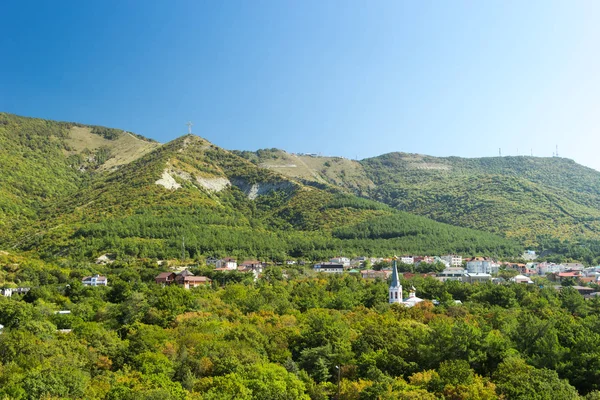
<point x="42" y="161"/>
<point x="520" y="197"/>
<point x="218" y="203"/>
<point x="526" y="198"/>
<point x="340" y="172"/>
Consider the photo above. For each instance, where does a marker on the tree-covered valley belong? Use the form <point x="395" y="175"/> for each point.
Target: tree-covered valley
<point x="285" y="335"/>
<point x="71" y="193"/>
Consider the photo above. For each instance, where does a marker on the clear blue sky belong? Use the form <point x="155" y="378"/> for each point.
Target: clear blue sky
<point x="349" y="78"/>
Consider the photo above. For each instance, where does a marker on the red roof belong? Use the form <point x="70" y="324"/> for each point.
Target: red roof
<point x="568" y="274"/>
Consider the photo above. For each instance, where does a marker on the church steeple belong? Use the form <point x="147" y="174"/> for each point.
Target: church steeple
<point x="395" y="286"/>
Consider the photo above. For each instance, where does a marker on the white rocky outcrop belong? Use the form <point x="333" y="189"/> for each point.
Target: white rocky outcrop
<point x="213" y="184"/>
<point x="168" y="181"/>
<point x="257" y="189"/>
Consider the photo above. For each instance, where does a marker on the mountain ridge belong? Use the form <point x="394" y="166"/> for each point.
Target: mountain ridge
<point x="523" y="197"/>
<point x="221" y="203"/>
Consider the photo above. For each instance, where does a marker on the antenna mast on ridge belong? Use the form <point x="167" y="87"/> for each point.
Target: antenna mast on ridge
<point x="556" y="151"/>
<point x="189" y="125"/>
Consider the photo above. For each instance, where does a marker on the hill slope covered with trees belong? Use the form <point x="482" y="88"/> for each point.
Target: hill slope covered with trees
<point x="545" y="203"/>
<point x="148" y="200"/>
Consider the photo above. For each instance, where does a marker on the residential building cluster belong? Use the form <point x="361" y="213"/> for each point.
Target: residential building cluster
<point x="470" y="270"/>
<point x="185" y="278"/>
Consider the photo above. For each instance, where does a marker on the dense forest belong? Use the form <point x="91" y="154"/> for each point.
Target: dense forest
<point x="526" y="198"/>
<point x="285" y="335"/>
<point x="250" y="212"/>
<point x="70" y="193"/>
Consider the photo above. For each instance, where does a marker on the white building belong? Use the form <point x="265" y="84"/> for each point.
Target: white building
<point x="329" y="267"/>
<point x="412" y="299"/>
<point x="544" y="268"/>
<point x="345" y="261"/>
<point x="395" y="290"/>
<point x="96" y="280"/>
<point x="228" y="263"/>
<point x="407" y="260"/>
<point x="441" y="260"/>
<point x="482" y="266"/>
<point x="453" y="260"/>
<point x="521" y="279"/>
<point x="476" y="277"/>
<point x="451" y="274"/>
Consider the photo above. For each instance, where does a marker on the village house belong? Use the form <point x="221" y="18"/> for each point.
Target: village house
<point x="560" y="276"/>
<point x="345" y="261"/>
<point x="574" y="266"/>
<point x="544" y="268"/>
<point x="252" y="266"/>
<point x="407" y="260"/>
<point x="165" y="278"/>
<point x="191" y="281"/>
<point x="476" y="277"/>
<point x="481" y="265"/>
<point x="180" y="277"/>
<point x="228" y="263"/>
<point x="329" y="267"/>
<point x="451" y="274"/>
<point x="589" y="279"/>
<point x="591" y="271"/>
<point x="523" y="269"/>
<point x="211" y="261"/>
<point x="96" y="280"/>
<point x="185" y="278"/>
<point x="521" y="279"/>
<point x="453" y="260"/>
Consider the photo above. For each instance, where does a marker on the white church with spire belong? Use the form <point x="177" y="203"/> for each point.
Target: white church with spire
<point x="395" y="291"/>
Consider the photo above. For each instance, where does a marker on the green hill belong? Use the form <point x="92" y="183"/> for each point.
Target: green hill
<point x="526" y="198"/>
<point x="520" y="197"/>
<point x="42" y="161"/>
<point x="146" y="201"/>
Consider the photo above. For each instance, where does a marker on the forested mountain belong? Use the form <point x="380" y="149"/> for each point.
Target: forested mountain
<point x="43" y="161"/>
<point x="149" y="200"/>
<point x="72" y="192"/>
<point x="530" y="199"/>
